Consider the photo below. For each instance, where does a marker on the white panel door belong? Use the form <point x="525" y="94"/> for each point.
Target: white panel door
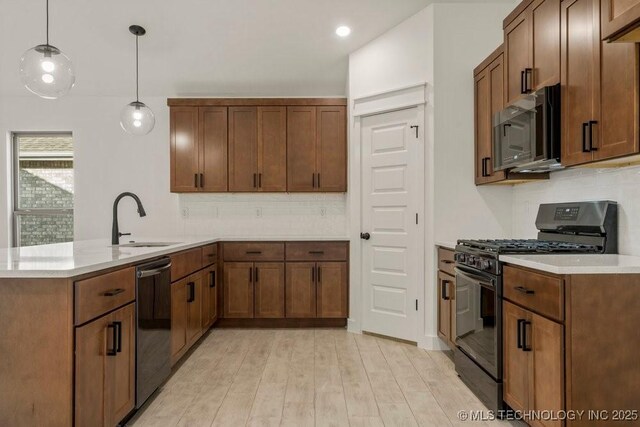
<point x="392" y="194"/>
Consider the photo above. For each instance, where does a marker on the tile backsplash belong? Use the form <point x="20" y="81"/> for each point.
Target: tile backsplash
<point x="581" y="184"/>
<point x="264" y="215"/>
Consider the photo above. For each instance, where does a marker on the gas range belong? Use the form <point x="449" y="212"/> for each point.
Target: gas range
<point x="563" y="228"/>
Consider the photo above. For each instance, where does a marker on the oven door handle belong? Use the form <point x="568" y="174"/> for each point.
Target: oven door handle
<point x="474" y="276"/>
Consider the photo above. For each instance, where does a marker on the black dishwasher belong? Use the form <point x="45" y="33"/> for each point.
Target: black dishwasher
<point x="153" y="334"/>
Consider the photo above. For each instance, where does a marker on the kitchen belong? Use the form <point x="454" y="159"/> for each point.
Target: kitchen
<point x="332" y="298"/>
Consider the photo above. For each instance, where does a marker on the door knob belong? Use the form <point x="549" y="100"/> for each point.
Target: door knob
<point x="365" y="236"/>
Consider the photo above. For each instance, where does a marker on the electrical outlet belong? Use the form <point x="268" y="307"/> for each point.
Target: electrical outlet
<point x="185" y="213"/>
<point x="323" y="211"/>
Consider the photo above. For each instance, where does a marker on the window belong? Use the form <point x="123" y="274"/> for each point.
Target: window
<point x="42" y="188"/>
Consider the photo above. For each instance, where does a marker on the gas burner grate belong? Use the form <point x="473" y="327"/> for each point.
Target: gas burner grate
<point x="528" y="246"/>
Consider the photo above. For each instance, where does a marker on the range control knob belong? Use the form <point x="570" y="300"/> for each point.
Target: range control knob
<point x="485" y="265"/>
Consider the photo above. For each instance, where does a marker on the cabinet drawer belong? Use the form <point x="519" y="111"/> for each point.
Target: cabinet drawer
<point x="538" y="292"/>
<point x="100" y="294"/>
<point x="185" y="263"/>
<point x="209" y="254"/>
<point x="254" y="251"/>
<point x="317" y="251"/>
<point x="446" y="262"/>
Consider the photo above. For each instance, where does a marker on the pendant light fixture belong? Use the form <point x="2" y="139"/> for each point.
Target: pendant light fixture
<point x="136" y="118"/>
<point x="46" y="71"/>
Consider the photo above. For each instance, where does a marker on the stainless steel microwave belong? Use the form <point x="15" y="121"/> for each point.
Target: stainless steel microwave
<point x="526" y="135"/>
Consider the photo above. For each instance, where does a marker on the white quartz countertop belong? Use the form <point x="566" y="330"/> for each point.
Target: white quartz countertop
<point x="448" y="245"/>
<point x="63" y="260"/>
<point x="577" y="264"/>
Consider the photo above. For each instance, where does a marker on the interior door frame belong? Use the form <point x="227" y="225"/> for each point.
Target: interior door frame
<point x="377" y="103"/>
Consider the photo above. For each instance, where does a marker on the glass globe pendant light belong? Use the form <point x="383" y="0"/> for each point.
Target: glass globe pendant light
<point x="136" y="118"/>
<point x="46" y="71"/>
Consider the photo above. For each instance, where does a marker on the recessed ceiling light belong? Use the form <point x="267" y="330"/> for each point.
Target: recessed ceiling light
<point x="343" y="31"/>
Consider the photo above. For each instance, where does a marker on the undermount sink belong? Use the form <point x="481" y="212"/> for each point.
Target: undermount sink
<point x="147" y="244"/>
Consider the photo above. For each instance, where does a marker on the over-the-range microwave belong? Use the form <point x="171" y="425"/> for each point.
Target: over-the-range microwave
<point x="526" y="135"/>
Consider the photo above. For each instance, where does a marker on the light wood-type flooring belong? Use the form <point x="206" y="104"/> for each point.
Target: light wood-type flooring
<point x="309" y="377"/>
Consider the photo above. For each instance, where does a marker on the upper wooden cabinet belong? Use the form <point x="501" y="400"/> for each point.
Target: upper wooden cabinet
<point x="599" y="89"/>
<point x="531" y="47"/>
<point x="198" y="149"/>
<point x="258" y="145"/>
<point x="620" y="20"/>
<point x="489" y="100"/>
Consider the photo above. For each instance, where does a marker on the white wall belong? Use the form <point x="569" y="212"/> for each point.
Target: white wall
<point x="582" y="184"/>
<point x="108" y="161"/>
<point x="440" y="46"/>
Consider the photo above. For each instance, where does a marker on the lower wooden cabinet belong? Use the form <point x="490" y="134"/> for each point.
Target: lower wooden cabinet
<point x="301" y="290"/>
<point x="268" y="290"/>
<point x="186" y="314"/>
<point x="238" y="290"/>
<point x="332" y="291"/>
<point x="105" y="369"/>
<point x="533" y="363"/>
<point x="209" y="296"/>
<point x="446" y="308"/>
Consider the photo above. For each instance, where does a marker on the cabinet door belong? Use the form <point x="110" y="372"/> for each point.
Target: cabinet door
<point x="272" y="148"/>
<point x="178" y="318"/>
<point x="300" y="291"/>
<point x="517" y="48"/>
<point x="332" y="290"/>
<point x="243" y="149"/>
<point x="238" y="290"/>
<point x="444" y="307"/>
<point x="122" y="376"/>
<point x="301" y="148"/>
<point x="618" y="15"/>
<point x="213" y="148"/>
<point x="194" y="308"/>
<point x="269" y="289"/>
<point x="209" y="296"/>
<point x="93" y="340"/>
<point x="516" y="360"/>
<point x="545" y="33"/>
<point x="184" y="149"/>
<point x="580" y="50"/>
<point x="547" y="373"/>
<point x="331" y="157"/>
<point x="619" y="106"/>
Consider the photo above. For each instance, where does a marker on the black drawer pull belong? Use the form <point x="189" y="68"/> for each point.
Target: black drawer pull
<point x="447" y="261"/>
<point x="524" y="290"/>
<point x="253" y="252"/>
<point x="316" y="252"/>
<point x="114" y="339"/>
<point x="319" y="277"/>
<point x="112" y="292"/>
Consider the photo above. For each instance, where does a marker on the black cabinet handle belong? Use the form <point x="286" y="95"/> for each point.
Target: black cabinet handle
<point x="524" y="336"/>
<point x="253" y="252"/>
<point x="519" y="333"/>
<point x="192" y="292"/>
<point x="443" y="290"/>
<point x="528" y="77"/>
<point x="316" y="252"/>
<point x="113" y="292"/>
<point x="524" y="290"/>
<point x="485" y="168"/>
<point x="319" y="274"/>
<point x="256" y="274"/>
<point x="195" y="180"/>
<point x="201" y="180"/>
<point x="447" y="261"/>
<point x="118" y="326"/>
<point x="212" y="279"/>
<point x="585" y="149"/>
<point x="114" y="339"/>
<point x="590" y="123"/>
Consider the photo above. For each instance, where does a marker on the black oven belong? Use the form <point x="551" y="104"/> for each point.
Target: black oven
<point x="479" y="333"/>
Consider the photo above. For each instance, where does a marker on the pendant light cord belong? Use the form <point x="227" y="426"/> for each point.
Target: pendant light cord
<point x="47" y="22"/>
<point x="137" y="78"/>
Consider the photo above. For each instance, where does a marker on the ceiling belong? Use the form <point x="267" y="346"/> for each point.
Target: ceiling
<point x="199" y="47"/>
